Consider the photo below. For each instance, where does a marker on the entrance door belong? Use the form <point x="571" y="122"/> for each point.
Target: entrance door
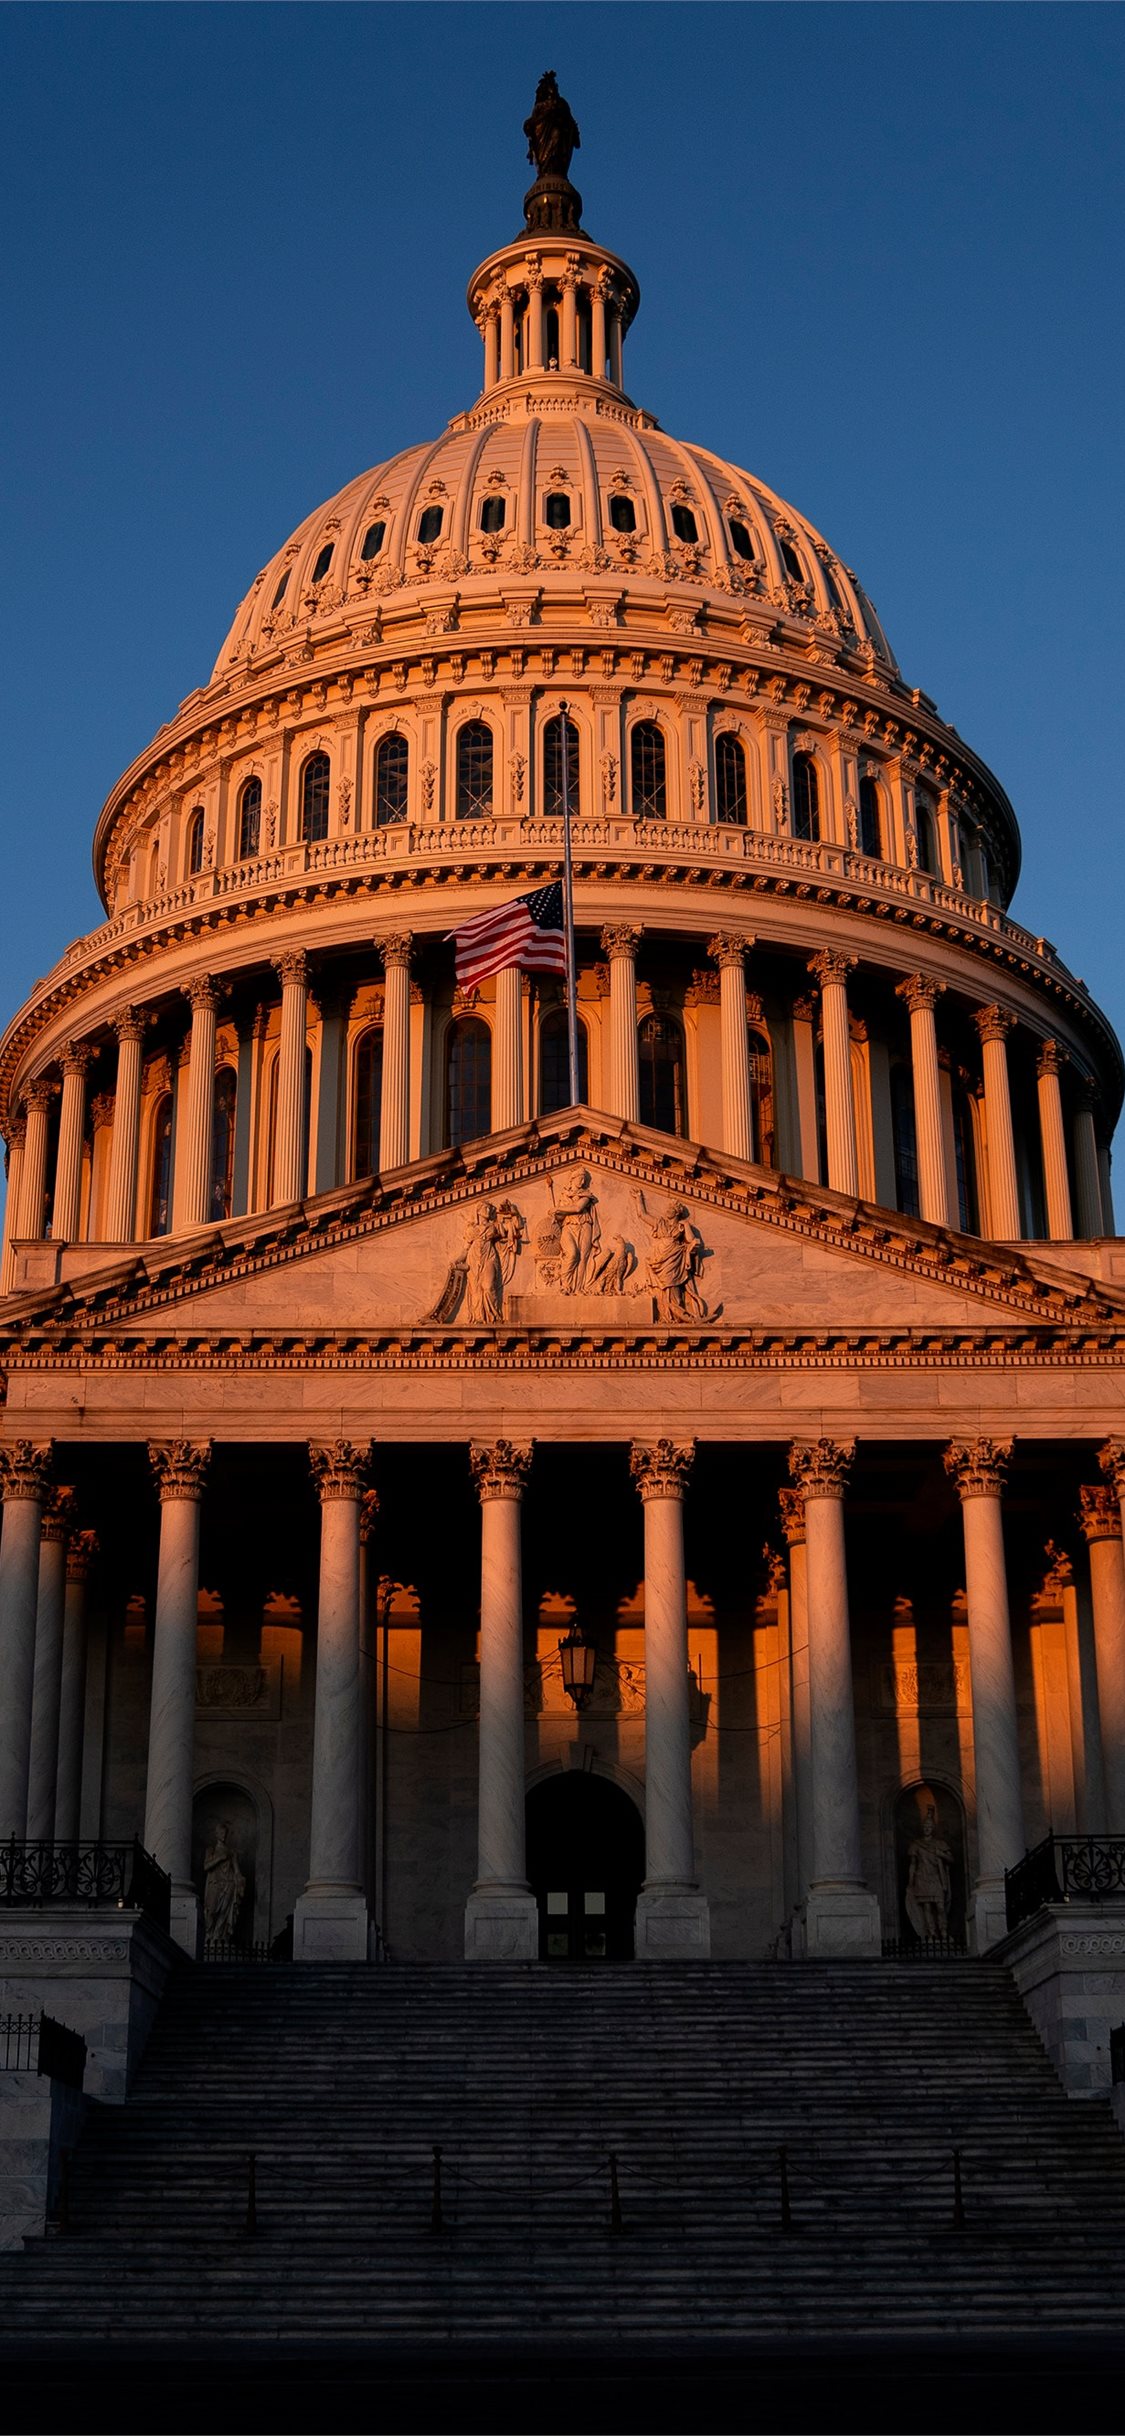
<point x="585" y="1863"/>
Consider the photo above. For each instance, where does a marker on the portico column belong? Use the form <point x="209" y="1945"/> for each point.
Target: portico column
<point x="507" y="1079"/>
<point x="180" y="1470"/>
<point x="533" y="325"/>
<point x="620" y="942"/>
<point x="121" y="1210"/>
<point x="193" y="1140"/>
<point x="32" y="1215"/>
<point x="289" y="1156"/>
<point x="921" y="995"/>
<point x="1052" y="1134"/>
<point x="977" y="1469"/>
<point x="568" y="333"/>
<point x="1087" y="1175"/>
<point x="81" y="1550"/>
<point x="507" y="334"/>
<point x="729" y="949"/>
<point x="330" y="1920"/>
<point x="831" y="970"/>
<point x="994" y="1024"/>
<point x="16" y="1140"/>
<point x="841" y="1915"/>
<point x="76" y="1060"/>
<point x="501" y="1916"/>
<point x="58" y="1523"/>
<point x="1103" y="1515"/>
<point x="396" y="948"/>
<point x="792" y="1506"/>
<point x="598" y="294"/>
<point x="616" y="334"/>
<point x="25" y="1473"/>
<point x="673" y="1919"/>
<point x="490" y="326"/>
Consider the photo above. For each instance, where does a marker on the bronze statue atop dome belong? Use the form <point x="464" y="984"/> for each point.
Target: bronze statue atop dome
<point x="552" y="140"/>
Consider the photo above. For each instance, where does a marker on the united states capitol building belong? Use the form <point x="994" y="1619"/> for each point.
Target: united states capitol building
<point x="443" y="1522"/>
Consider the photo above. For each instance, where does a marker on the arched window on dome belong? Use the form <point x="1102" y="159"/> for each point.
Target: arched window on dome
<point x="730" y="781"/>
<point x="314" y="799"/>
<point x="806" y="798"/>
<point x="224" y="1103"/>
<point x="493" y="512"/>
<point x="904" y="1140"/>
<point x="160" y="1190"/>
<point x="622" y="513"/>
<point x="660" y="1059"/>
<point x="250" y="819"/>
<point x="468" y="1081"/>
<point x="553" y="767"/>
<point x="196" y="828"/>
<point x="392" y="779"/>
<point x="648" y="771"/>
<point x="926" y="831"/>
<point x="554" y="1062"/>
<point x="871" y="838"/>
<point x="474" y="771"/>
<point x="367" y="1093"/>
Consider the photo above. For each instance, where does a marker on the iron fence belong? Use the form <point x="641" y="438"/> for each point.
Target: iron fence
<point x="34" y="2042"/>
<point x="122" y="1877"/>
<point x="1090" y="1868"/>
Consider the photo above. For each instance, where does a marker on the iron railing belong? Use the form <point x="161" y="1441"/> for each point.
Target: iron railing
<point x="35" y="2042"/>
<point x="122" y="1877"/>
<point x="1062" y="1869"/>
<point x="924" y="1949"/>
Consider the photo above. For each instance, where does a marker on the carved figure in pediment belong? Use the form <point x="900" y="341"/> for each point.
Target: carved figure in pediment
<point x="494" y="1238"/>
<point x="570" y="1250"/>
<point x="674" y="1261"/>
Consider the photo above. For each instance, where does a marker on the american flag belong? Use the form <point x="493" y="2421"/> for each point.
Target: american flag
<point x="527" y="931"/>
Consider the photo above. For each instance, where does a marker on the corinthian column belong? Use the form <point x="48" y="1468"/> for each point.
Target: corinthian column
<point x="396" y="948"/>
<point x="501" y="1916"/>
<point x="25" y="1473"/>
<point x="58" y="1523"/>
<point x="994" y="1025"/>
<point x="729" y="949"/>
<point x="179" y="1470"/>
<point x="831" y="971"/>
<point x="122" y="1203"/>
<point x="841" y="1915"/>
<point x="289" y="1156"/>
<point x="1087" y="1177"/>
<point x="330" y="1921"/>
<point x="507" y="1080"/>
<point x="81" y="1550"/>
<point x="792" y="1506"/>
<point x="620" y="943"/>
<point x="672" y="1914"/>
<point x="921" y="995"/>
<point x="75" y="1061"/>
<point x="977" y="1470"/>
<point x="193" y="1141"/>
<point x="1052" y="1134"/>
<point x="1103" y="1512"/>
<point x="32" y="1214"/>
<point x="14" y="1163"/>
<point x="533" y="323"/>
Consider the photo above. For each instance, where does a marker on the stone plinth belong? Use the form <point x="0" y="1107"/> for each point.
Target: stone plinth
<point x="1068" y="1963"/>
<point x="501" y="1928"/>
<point x="671" y="1927"/>
<point x="100" y="1973"/>
<point x="39" y="2120"/>
<point x="330" y="1928"/>
<point x="844" y="1923"/>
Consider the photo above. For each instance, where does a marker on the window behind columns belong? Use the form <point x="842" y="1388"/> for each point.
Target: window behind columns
<point x="905" y="1140"/>
<point x="392" y="779"/>
<point x="314" y="799"/>
<point x="554" y="1062"/>
<point x="250" y="818"/>
<point x="160" y="1193"/>
<point x="762" y="1096"/>
<point x="223" y="1108"/>
<point x="468" y="1083"/>
<point x="730" y="781"/>
<point x="806" y="798"/>
<point x="553" y="766"/>
<point x="965" y="1159"/>
<point x="474" y="771"/>
<point x="195" y="842"/>
<point x="871" y="819"/>
<point x="367" y="1095"/>
<point x="648" y="771"/>
<point x="660" y="1057"/>
<point x="926" y="827"/>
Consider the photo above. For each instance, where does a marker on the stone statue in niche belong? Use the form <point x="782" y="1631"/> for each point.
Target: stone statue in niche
<point x="224" y="1886"/>
<point x="673" y="1261"/>
<point x="494" y="1238"/>
<point x="929" y="1879"/>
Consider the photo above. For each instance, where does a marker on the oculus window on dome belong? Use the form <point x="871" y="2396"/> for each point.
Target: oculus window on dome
<point x="493" y="512"/>
<point x="556" y="512"/>
<point x="430" y="524"/>
<point x="281" y="591"/>
<point x="684" y="524"/>
<point x="323" y="562"/>
<point x="373" y="540"/>
<point x="622" y="513"/>
<point x="741" y="538"/>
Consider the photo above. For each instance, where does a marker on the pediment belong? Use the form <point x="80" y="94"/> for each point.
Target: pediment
<point x="579" y="1225"/>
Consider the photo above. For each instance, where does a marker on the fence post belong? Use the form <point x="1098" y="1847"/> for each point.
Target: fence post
<point x="437" y="2220"/>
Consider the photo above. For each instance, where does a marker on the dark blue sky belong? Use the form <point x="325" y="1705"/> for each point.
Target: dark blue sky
<point x="880" y="257"/>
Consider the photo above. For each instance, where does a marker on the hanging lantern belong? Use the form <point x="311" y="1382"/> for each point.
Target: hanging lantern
<point x="578" y="1659"/>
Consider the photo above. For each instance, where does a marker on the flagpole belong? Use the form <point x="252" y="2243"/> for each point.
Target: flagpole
<point x="568" y="914"/>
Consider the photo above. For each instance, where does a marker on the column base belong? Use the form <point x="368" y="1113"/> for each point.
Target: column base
<point x="185" y="1921"/>
<point x="672" y="1924"/>
<point x="988" y="1916"/>
<point x="501" y="1927"/>
<point x="842" y="1921"/>
<point x="330" y="1928"/>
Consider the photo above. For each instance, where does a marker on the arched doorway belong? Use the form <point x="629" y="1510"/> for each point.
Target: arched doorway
<point x="585" y="1864"/>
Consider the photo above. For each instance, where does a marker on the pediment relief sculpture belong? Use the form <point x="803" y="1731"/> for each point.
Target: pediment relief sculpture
<point x="658" y="1260"/>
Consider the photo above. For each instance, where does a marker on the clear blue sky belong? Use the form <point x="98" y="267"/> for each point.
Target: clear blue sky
<point x="880" y="254"/>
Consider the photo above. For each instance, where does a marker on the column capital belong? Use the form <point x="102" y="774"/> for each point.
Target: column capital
<point x="661" y="1470"/>
<point x="179" y="1469"/>
<point x="831" y="965"/>
<point x="292" y="968"/>
<point x="1111" y="1460"/>
<point x="501" y="1470"/>
<point x="202" y="993"/>
<point x="919" y="990"/>
<point x="340" y="1469"/>
<point x="368" y="1514"/>
<point x="77" y="1057"/>
<point x="1099" y="1512"/>
<point x="1087" y="1094"/>
<point x="60" y="1515"/>
<point x="25" y="1469"/>
<point x="976" y="1466"/>
<point x="1051" y="1058"/>
<point x="993" y="1022"/>
<point x="791" y="1503"/>
<point x="620" y="939"/>
<point x="729" y="947"/>
<point x="395" y="947"/>
<point x="82" y="1548"/>
<point x="17" y="1128"/>
<point x="101" y="1109"/>
<point x="130" y="1023"/>
<point x="820" y="1466"/>
<point x="41" y="1092"/>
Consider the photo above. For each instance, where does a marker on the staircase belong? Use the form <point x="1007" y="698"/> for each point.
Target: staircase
<point x="340" y="2080"/>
